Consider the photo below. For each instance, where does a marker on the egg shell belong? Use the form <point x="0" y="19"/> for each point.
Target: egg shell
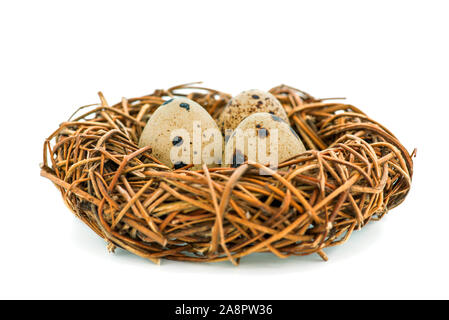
<point x="247" y="103"/>
<point x="177" y="113"/>
<point x="262" y="124"/>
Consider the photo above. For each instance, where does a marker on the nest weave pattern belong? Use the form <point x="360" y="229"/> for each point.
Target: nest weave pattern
<point x="354" y="172"/>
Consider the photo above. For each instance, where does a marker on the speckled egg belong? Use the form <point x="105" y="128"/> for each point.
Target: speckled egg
<point x="262" y="130"/>
<point x="181" y="132"/>
<point x="247" y="103"/>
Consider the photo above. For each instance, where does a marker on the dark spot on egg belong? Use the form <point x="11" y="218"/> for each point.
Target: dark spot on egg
<point x="263" y="133"/>
<point x="185" y="106"/>
<point x="259" y="103"/>
<point x="168" y="101"/>
<point x="177" y="141"/>
<point x="258" y="126"/>
<point x="179" y="165"/>
<point x="270" y="112"/>
<point x="276" y="118"/>
<point x="294" y="133"/>
<point x="255" y="96"/>
<point x="238" y="158"/>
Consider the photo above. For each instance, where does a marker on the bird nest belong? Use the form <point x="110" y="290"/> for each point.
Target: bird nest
<point x="354" y="171"/>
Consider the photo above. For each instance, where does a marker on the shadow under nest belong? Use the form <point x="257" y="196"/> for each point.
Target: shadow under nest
<point x="354" y="171"/>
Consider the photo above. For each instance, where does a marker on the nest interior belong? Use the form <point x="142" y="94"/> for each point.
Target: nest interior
<point x="354" y="171"/>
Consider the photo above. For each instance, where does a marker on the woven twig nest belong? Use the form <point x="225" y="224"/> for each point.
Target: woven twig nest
<point x="354" y="172"/>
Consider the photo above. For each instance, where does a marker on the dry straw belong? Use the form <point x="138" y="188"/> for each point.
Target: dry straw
<point x="356" y="170"/>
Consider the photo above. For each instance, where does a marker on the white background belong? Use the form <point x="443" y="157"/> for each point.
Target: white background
<point x="389" y="58"/>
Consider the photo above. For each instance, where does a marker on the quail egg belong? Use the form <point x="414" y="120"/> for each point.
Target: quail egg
<point x="181" y="132"/>
<point x="247" y="103"/>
